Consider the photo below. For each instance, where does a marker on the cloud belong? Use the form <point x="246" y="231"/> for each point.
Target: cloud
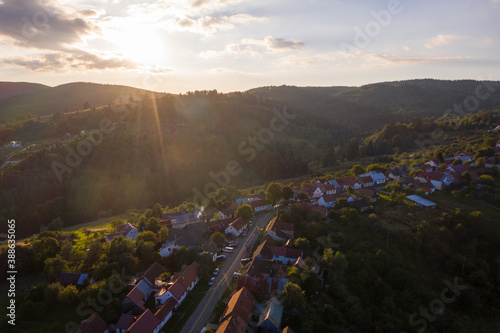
<point x="210" y="24"/>
<point x="256" y="47"/>
<point x="78" y="61"/>
<point x="41" y="24"/>
<point x="440" y="40"/>
<point x="400" y="59"/>
<point x="202" y="3"/>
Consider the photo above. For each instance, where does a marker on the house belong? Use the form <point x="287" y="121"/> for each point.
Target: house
<point x="127" y="231"/>
<point x="174" y="289"/>
<point x="237" y="314"/>
<point x="210" y="248"/>
<point x="219" y="226"/>
<point x="359" y="204"/>
<point x="270" y="317"/>
<point x="285" y="254"/>
<point x="280" y="230"/>
<point x="457" y="168"/>
<point x="145" y="323"/>
<point x="192" y="236"/>
<point x="366" y="181"/>
<point x="264" y="277"/>
<point x="421" y="202"/>
<point x="329" y="189"/>
<point x="143" y="289"/>
<point x="125" y="321"/>
<point x="164" y="313"/>
<point x="94" y="324"/>
<point x="188" y="275"/>
<point x="427" y="187"/>
<point x="322" y="181"/>
<point x="236" y="227"/>
<point x="369" y="193"/>
<point x="377" y="177"/>
<point x="260" y="206"/>
<point x="169" y="247"/>
<point x="396" y="173"/>
<point x="349" y="181"/>
<point x="180" y="284"/>
<point x="230" y="211"/>
<point x="180" y="219"/>
<point x="313" y="190"/>
<point x="210" y="214"/>
<point x="78" y="279"/>
<point x="328" y="200"/>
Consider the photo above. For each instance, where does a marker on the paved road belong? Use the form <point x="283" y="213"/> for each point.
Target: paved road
<point x="202" y="313"/>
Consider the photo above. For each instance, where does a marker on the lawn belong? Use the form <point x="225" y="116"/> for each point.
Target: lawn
<point x="97" y="224"/>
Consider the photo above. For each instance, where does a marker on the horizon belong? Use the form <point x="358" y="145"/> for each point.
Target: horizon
<point x="236" y="45"/>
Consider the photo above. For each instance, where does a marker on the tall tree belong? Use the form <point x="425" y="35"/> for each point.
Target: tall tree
<point x="245" y="211"/>
<point x="287" y="192"/>
<point x="273" y="193"/>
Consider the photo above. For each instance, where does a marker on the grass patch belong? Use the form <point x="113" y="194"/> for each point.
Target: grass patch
<point x="97" y="224"/>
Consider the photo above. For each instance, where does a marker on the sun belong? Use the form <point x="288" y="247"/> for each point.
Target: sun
<point x="141" y="45"/>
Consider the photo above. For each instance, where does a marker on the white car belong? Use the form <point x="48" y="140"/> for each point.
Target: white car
<point x="236" y="275"/>
<point x="216" y="271"/>
<point x="228" y="249"/>
<point x="211" y="282"/>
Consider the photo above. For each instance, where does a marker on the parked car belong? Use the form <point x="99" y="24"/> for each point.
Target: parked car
<point x="244" y="233"/>
<point x="228" y="249"/>
<point x="245" y="260"/>
<point x="236" y="275"/>
<point x="233" y="244"/>
<point x="222" y="257"/>
<point x="211" y="282"/>
<point x="216" y="271"/>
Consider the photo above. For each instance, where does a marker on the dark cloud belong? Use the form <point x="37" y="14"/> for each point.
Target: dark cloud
<point x="280" y="44"/>
<point x="40" y="24"/>
<point x="77" y="60"/>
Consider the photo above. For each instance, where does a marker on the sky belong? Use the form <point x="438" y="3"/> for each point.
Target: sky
<point x="234" y="45"/>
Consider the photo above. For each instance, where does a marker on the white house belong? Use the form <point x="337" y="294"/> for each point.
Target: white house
<point x="169" y="247"/>
<point x="378" y="177"/>
<point x="329" y="189"/>
<point x="175" y="290"/>
<point x="127" y="231"/>
<point x="260" y="206"/>
<point x="236" y="227"/>
<point x="328" y="200"/>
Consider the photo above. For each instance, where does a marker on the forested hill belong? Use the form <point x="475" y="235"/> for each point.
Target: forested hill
<point x="17" y="98"/>
<point x="371" y="106"/>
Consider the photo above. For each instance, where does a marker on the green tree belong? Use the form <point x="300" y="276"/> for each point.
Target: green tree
<point x="153" y="225"/>
<point x="93" y="254"/>
<point x="357" y="170"/>
<point x="219" y="239"/>
<point x="329" y="158"/>
<point x="287" y="192"/>
<point x="146" y="236"/>
<point x="274" y="193"/>
<point x="68" y="295"/>
<point x="54" y="267"/>
<point x="302" y="243"/>
<point x="66" y="248"/>
<point x="294" y="297"/>
<point x="336" y="261"/>
<point x="157" y="211"/>
<point x="43" y="249"/>
<point x="56" y="224"/>
<point x="352" y="150"/>
<point x="480" y="163"/>
<point x="116" y="223"/>
<point x="163" y="234"/>
<point x="486" y="180"/>
<point x="443" y="166"/>
<point x="245" y="211"/>
<point x="146" y="253"/>
<point x="119" y="246"/>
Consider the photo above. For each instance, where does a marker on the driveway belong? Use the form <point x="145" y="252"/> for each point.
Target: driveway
<point x="202" y="313"/>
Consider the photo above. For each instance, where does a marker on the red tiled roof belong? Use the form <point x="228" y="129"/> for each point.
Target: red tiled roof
<point x="219" y="225"/>
<point x="146" y="323"/>
<point x="95" y="324"/>
<point x="137" y="297"/>
<point x="153" y="272"/>
<point x="187" y="275"/>
<point x="366" y="180"/>
<point x="259" y="203"/>
<point x="177" y="289"/>
<point x="239" y="223"/>
<point x="278" y="224"/>
<point x="235" y="318"/>
<point x="166" y="308"/>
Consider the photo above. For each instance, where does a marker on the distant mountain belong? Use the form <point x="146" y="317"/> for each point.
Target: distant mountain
<point x="371" y="106"/>
<point x="10" y="89"/>
<point x="18" y="98"/>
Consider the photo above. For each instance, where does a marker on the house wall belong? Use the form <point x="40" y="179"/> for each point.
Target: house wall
<point x="167" y="251"/>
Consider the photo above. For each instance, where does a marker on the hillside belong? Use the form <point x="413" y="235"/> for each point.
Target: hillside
<point x="20" y="98"/>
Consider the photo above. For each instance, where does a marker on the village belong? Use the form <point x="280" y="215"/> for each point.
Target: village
<point x="262" y="248"/>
